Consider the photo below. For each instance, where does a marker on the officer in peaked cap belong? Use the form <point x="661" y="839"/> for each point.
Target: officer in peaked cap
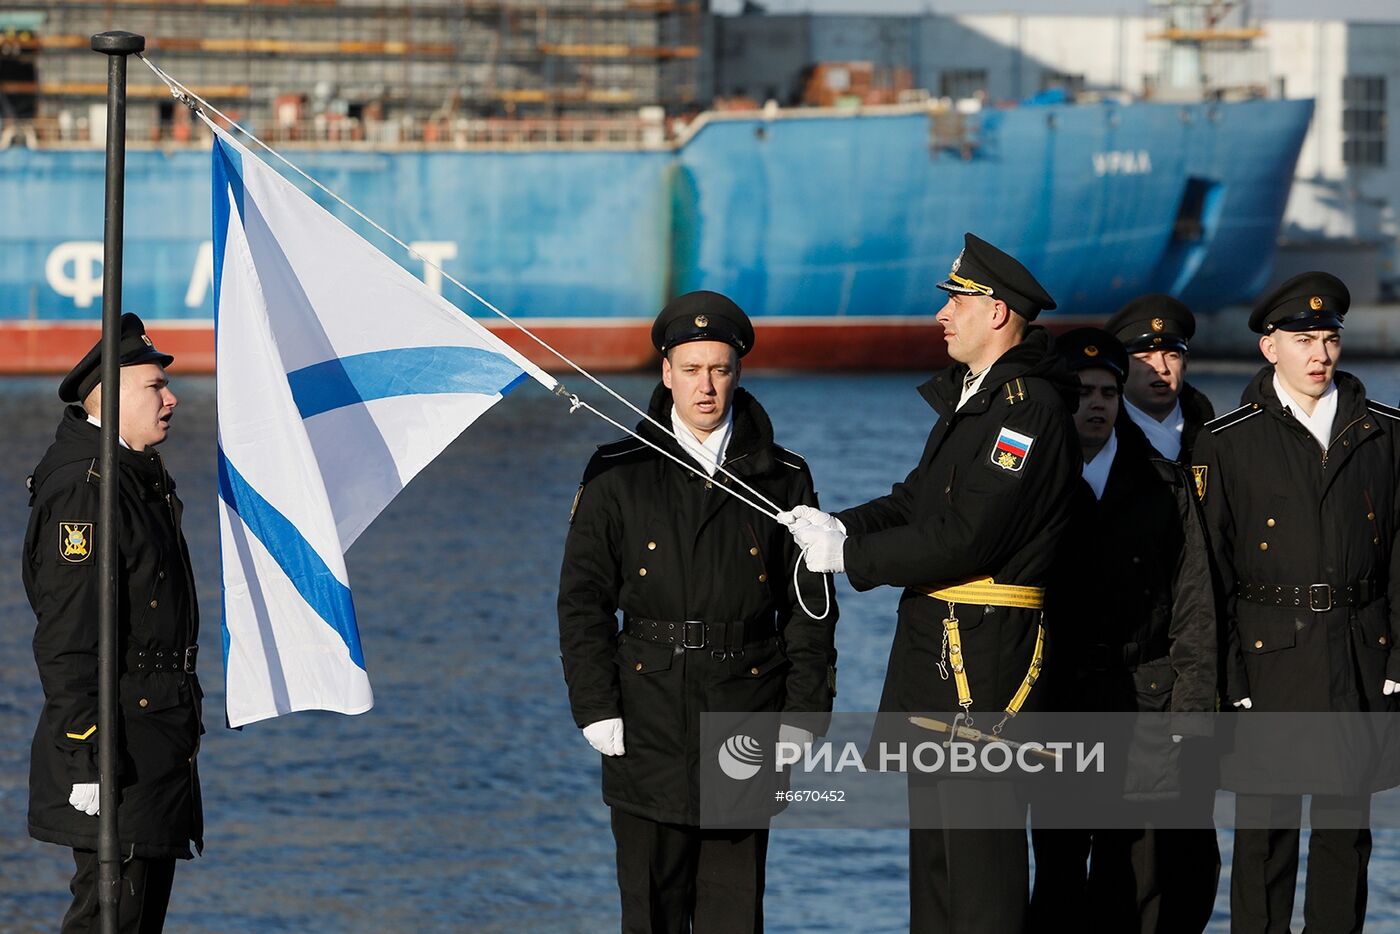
<point x="1310" y="615"/>
<point x="135" y="347"/>
<point x="702" y="316"/>
<point x="1156" y="330"/>
<point x="158" y="694"/>
<point x="711" y="621"/>
<point x="1312" y="301"/>
<point x="982" y="269"/>
<point x="987" y="502"/>
<point x="1131" y="626"/>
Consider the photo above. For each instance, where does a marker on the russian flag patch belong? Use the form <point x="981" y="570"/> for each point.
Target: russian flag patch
<point x="1011" y="450"/>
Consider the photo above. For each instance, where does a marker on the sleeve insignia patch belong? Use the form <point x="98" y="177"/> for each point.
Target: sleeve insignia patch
<point x="1199" y="472"/>
<point x="75" y="541"/>
<point x="1011" y="450"/>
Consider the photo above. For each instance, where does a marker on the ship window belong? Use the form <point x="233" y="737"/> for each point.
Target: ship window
<point x="961" y="83"/>
<point x="1363" y="120"/>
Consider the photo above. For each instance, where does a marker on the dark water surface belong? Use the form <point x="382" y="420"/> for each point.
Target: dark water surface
<point x="466" y="800"/>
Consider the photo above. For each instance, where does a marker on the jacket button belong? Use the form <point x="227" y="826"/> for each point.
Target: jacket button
<point x="643" y="572"/>
<point x="160" y="575"/>
<point x="754" y="552"/>
<point x="1152" y="685"/>
<point x="1258" y="643"/>
<point x="1263" y="546"/>
<point x="638" y="666"/>
<point x="1345" y="442"/>
<point x="763" y="578"/>
<point x="1382" y="640"/>
<point x="1367" y="425"/>
<point x="753" y="670"/>
<point x="1371" y="516"/>
<point x="154" y="604"/>
<point x="651" y="546"/>
<point x="1271" y="523"/>
<point x="709" y="485"/>
<point x="143" y="702"/>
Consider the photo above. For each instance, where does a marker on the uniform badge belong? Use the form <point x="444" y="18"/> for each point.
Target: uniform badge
<point x="701" y="321"/>
<point x="147" y="341"/>
<point x="75" y="541"/>
<point x="1315" y="303"/>
<point x="1199" y="472"/>
<point x="957" y="264"/>
<point x="1158" y="325"/>
<point x="1090" y="350"/>
<point x="1011" y="449"/>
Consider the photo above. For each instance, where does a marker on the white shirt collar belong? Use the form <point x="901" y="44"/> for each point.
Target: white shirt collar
<point x="1096" y="470"/>
<point x="92" y="420"/>
<point x="707" y="453"/>
<point x="1319" y="423"/>
<point x="1165" y="435"/>
<point x="970" y="389"/>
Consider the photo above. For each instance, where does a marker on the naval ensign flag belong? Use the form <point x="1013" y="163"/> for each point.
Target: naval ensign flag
<point x="340" y="376"/>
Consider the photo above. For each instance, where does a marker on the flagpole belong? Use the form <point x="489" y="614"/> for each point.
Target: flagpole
<point x="116" y="46"/>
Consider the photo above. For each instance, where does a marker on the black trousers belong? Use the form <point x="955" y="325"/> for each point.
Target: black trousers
<point x="964" y="878"/>
<point x="144" y="894"/>
<point x="1265" y="867"/>
<point x="1142" y="879"/>
<point x="677" y="879"/>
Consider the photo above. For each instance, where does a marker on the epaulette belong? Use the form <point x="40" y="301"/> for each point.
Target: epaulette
<point x="619" y="447"/>
<point x="1380" y="408"/>
<point x="1014" y="390"/>
<point x="1230" y="419"/>
<point x="789" y="458"/>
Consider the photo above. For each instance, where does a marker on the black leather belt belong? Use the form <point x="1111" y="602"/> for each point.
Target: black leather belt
<point x="698" y="634"/>
<point x="1316" y="597"/>
<point x="181" y="660"/>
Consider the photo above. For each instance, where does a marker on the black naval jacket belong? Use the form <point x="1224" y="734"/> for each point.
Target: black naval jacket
<point x="157" y="618"/>
<point x="662" y="545"/>
<point x="1131" y="610"/>
<point x="1196" y="410"/>
<point x="959" y="515"/>
<point x="1284" y="513"/>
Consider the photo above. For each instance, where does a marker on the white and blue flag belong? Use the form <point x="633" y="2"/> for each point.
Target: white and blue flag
<point x="340" y="376"/>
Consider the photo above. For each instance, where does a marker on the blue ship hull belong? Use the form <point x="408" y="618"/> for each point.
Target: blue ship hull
<point x="814" y="221"/>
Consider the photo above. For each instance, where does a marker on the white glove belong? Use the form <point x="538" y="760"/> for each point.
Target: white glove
<point x="813" y="517"/>
<point x="1390" y="687"/>
<point x="794" y="734"/>
<point x="824" y="549"/>
<point x="1246" y="703"/>
<point x="605" y="736"/>
<point x="85" y="798"/>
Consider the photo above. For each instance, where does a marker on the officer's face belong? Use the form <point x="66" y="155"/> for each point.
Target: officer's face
<point x="702" y="377"/>
<point x="969" y="322"/>
<point x="147" y="405"/>
<point x="1305" y="361"/>
<point x="1154" y="380"/>
<point x="1098" y="407"/>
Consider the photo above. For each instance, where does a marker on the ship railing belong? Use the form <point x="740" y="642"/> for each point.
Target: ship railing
<point x="353" y="133"/>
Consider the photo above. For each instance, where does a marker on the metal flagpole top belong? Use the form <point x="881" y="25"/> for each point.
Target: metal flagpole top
<point x="118" y="42"/>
